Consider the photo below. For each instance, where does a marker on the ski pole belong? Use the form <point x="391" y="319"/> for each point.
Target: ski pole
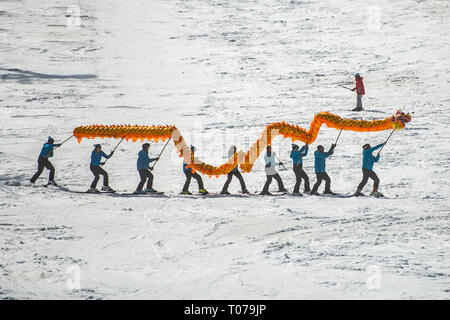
<point x="392" y="132"/>
<point x="281" y="162"/>
<point x="66" y="140"/>
<point x="336" y="140"/>
<point x="60" y="144"/>
<point x="113" y="151"/>
<point x="151" y="168"/>
<point x="345" y="87"/>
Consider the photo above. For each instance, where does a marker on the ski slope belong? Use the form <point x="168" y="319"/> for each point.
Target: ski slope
<point x="220" y="71"/>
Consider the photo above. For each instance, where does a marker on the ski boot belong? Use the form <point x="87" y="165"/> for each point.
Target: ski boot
<point x="245" y="191"/>
<point x="107" y="189"/>
<point x="376" y="193"/>
<point x="203" y="192"/>
<point x="265" y="193"/>
<point x="328" y="192"/>
<point x="185" y="192"/>
<point x="224" y="192"/>
<point x="358" y="193"/>
<point x="139" y="192"/>
<point x="93" y="190"/>
<point x="51" y="183"/>
<point x="150" y="190"/>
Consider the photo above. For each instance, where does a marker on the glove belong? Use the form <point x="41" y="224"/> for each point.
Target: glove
<point x="102" y="163"/>
<point x="333" y="146"/>
<point x="112" y="152"/>
<point x="157" y="158"/>
<point x="281" y="163"/>
<point x="58" y="144"/>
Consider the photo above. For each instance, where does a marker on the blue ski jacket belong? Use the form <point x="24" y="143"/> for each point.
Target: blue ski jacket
<point x="185" y="169"/>
<point x="369" y="159"/>
<point x="144" y="160"/>
<point x="47" y="150"/>
<point x="96" y="158"/>
<point x="297" y="156"/>
<point x="319" y="160"/>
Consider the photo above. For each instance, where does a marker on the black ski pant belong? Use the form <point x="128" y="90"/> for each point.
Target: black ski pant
<point x="320" y="177"/>
<point x="196" y="176"/>
<point x="230" y="177"/>
<point x="277" y="177"/>
<point x="369" y="174"/>
<point x="145" y="174"/>
<point x="44" y="163"/>
<point x="97" y="171"/>
<point x="299" y="175"/>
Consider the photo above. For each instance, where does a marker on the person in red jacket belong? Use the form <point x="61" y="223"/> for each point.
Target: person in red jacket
<point x="359" y="88"/>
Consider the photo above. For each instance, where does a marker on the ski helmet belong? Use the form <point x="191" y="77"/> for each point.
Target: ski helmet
<point x="357" y="75"/>
<point x="295" y="146"/>
<point x="50" y="139"/>
<point x="145" y="144"/>
<point x="366" y="146"/>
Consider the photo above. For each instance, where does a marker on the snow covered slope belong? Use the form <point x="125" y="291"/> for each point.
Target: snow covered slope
<point x="220" y="71"/>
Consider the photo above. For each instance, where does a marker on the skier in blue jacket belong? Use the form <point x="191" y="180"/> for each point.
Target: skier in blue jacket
<point x="143" y="166"/>
<point x="297" y="161"/>
<point x="367" y="168"/>
<point x="95" y="166"/>
<point x="319" y="165"/>
<point x="44" y="162"/>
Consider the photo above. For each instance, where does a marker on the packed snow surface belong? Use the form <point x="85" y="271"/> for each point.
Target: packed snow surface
<point x="220" y="71"/>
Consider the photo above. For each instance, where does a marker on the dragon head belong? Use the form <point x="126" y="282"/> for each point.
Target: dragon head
<point x="400" y="119"/>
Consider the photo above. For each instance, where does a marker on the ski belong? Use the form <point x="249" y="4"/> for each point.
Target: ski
<point x="87" y="192"/>
<point x="274" y="194"/>
<point x="198" y="194"/>
<point x="295" y="194"/>
<point x="231" y="195"/>
<point x="97" y="192"/>
<point x="249" y="194"/>
<point x="334" y="195"/>
<point x="52" y="185"/>
<point x="377" y="195"/>
<point x="59" y="187"/>
<point x="142" y="194"/>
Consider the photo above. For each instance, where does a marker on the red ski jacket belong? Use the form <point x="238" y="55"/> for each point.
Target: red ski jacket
<point x="359" y="86"/>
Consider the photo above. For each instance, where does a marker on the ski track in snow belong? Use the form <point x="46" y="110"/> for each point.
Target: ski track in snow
<point x="220" y="71"/>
